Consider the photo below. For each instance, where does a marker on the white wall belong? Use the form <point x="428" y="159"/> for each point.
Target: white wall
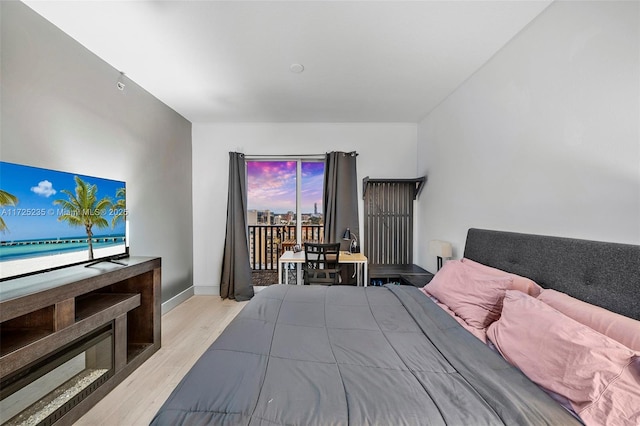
<point x="385" y="150"/>
<point x="60" y="109"/>
<point x="544" y="138"/>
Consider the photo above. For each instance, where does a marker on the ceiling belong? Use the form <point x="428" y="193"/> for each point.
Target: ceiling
<point x="229" y="61"/>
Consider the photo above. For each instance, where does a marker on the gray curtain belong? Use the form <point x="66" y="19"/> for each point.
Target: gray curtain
<point x="340" y="197"/>
<point x="235" y="282"/>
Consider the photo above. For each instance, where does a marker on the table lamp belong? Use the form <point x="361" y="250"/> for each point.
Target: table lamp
<point x="353" y="246"/>
<point x="440" y="249"/>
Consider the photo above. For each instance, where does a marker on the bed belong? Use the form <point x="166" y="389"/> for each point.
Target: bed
<point x="339" y="355"/>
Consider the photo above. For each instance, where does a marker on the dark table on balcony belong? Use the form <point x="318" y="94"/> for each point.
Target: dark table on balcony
<point x="288" y="244"/>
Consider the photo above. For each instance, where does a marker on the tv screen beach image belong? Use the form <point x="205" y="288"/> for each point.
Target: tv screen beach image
<point x="50" y="219"/>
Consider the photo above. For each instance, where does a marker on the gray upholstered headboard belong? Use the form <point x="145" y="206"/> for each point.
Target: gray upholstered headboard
<point x="603" y="274"/>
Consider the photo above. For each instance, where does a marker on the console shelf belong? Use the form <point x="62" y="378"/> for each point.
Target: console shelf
<point x="94" y="303"/>
<point x="13" y="339"/>
<point x="42" y="314"/>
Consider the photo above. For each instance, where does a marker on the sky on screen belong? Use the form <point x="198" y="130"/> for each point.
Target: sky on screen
<point x="35" y="216"/>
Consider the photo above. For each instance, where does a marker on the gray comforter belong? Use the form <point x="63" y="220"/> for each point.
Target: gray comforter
<point x="300" y="355"/>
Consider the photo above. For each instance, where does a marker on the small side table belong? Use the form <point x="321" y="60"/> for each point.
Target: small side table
<point x="416" y="280"/>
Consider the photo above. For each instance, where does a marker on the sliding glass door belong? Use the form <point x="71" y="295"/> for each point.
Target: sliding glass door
<point x="284" y="209"/>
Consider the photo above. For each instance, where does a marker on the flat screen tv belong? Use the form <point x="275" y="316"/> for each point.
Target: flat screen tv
<point x="51" y="219"/>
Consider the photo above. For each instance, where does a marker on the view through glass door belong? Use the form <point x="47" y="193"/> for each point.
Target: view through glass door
<point x="284" y="210"/>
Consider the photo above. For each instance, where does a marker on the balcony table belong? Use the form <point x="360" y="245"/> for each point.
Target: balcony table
<point x="287" y="245"/>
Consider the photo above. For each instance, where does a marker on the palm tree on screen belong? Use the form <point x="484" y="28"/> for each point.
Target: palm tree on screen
<point x="6" y="199"/>
<point x="84" y="209"/>
<point x="119" y="207"/>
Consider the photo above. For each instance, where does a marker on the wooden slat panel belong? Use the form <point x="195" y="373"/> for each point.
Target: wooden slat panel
<point x="388" y="222"/>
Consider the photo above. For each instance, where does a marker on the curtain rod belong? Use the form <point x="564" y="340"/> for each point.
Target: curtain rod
<point x="276" y="157"/>
<point x="285" y="156"/>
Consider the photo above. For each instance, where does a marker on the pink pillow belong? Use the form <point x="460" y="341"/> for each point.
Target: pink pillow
<point x="598" y="375"/>
<point x="480" y="333"/>
<point x="622" y="329"/>
<point x="475" y="298"/>
<point x="523" y="284"/>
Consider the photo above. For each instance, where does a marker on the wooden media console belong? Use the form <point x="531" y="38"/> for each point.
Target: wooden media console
<point x="72" y="324"/>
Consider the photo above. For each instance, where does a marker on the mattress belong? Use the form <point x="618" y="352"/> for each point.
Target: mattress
<point x="340" y="355"/>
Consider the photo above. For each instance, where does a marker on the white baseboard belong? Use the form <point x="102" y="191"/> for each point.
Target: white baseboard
<point x="207" y="290"/>
<point x="176" y="300"/>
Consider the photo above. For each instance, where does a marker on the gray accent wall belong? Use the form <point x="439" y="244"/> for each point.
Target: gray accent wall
<point x="61" y="109"/>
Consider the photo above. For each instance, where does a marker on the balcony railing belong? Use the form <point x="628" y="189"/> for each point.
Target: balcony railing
<point x="267" y="242"/>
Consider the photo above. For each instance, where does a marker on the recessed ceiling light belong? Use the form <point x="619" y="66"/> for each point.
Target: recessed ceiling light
<point x="297" y="68"/>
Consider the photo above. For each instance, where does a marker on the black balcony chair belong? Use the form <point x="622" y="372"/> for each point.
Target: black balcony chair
<point x="321" y="264"/>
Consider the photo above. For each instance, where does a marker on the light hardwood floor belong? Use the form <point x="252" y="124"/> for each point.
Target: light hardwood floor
<point x="187" y="331"/>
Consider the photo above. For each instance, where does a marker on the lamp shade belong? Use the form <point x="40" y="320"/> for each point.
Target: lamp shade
<point x="440" y="248"/>
<point x="347" y="234"/>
